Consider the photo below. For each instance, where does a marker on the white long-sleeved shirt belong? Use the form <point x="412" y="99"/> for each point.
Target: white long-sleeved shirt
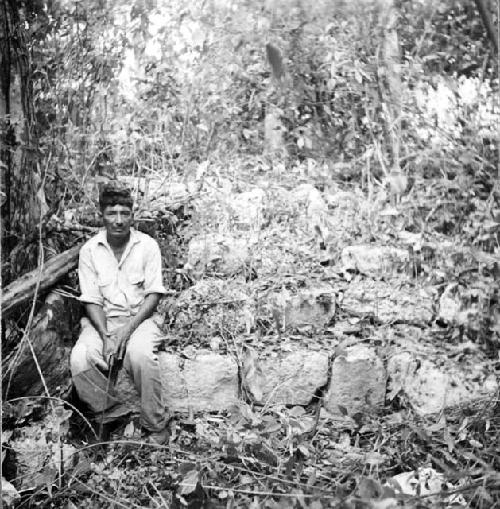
<point x="120" y="287"/>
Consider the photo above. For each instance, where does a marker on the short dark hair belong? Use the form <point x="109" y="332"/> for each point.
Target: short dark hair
<point x="114" y="193"/>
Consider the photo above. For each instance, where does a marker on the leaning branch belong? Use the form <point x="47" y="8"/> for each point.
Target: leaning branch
<point x="486" y="16"/>
<point x="23" y="288"/>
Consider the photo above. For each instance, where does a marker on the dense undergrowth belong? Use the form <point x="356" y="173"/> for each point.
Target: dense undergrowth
<point x="287" y="457"/>
<point x="274" y="456"/>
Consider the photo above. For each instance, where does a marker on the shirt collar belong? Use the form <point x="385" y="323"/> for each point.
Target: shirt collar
<point x="102" y="239"/>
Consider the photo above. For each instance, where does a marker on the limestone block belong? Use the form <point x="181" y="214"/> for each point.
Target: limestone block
<point x="290" y="378"/>
<point x="311" y="308"/>
<point x="157" y="188"/>
<point x="433" y="385"/>
<point x="207" y="382"/>
<point x="374" y="260"/>
<point x="302" y="193"/>
<point x="357" y="383"/>
<point x="219" y="254"/>
<point x="347" y="217"/>
<point x="247" y="209"/>
<point x="221" y="208"/>
<point x="388" y="303"/>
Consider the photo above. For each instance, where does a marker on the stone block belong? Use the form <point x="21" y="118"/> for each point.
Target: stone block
<point x="288" y="378"/>
<point x="218" y="254"/>
<point x="388" y="303"/>
<point x="311" y="308"/>
<point x="433" y="385"/>
<point x="347" y="218"/>
<point x="357" y="383"/>
<point x="207" y="382"/>
<point x="374" y="260"/>
<point x="247" y="209"/>
<point x="219" y="207"/>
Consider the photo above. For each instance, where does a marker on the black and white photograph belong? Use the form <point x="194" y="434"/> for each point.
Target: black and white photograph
<point x="250" y="254"/>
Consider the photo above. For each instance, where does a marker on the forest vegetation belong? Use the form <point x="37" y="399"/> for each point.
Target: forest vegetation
<point x="389" y="108"/>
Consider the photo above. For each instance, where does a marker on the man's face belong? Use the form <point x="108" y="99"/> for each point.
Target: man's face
<point x="117" y="220"/>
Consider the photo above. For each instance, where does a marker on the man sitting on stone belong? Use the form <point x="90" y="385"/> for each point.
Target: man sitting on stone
<point x="121" y="284"/>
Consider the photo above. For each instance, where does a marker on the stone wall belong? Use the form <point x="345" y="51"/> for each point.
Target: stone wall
<point x="311" y="313"/>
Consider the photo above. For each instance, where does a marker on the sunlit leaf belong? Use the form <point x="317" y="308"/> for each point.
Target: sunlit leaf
<point x="189" y="483"/>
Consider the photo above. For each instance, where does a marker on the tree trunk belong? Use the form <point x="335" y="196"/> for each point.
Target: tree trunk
<point x="52" y="337"/>
<point x="6" y="130"/>
<point x="23" y="183"/>
<point x="390" y="77"/>
<point x="22" y="289"/>
<point x="484" y="10"/>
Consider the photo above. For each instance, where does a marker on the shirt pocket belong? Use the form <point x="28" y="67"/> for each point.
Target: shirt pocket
<point x="136" y="278"/>
<point x="136" y="281"/>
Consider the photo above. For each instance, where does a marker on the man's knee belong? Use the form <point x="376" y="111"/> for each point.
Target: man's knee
<point x="141" y="354"/>
<point x="148" y="329"/>
<point x="142" y="348"/>
<point x="143" y="344"/>
<point x="78" y="359"/>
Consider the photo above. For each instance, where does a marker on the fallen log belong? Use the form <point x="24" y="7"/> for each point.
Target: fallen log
<point x="52" y="335"/>
<point x="23" y="288"/>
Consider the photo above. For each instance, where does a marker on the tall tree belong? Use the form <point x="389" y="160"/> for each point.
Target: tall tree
<point x="22" y="182"/>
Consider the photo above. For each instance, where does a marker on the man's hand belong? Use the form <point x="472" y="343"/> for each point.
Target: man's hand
<point x="120" y="339"/>
<point x="98" y="359"/>
<point x="108" y="347"/>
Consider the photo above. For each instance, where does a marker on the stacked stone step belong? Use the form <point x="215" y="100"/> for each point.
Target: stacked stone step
<point x="347" y="380"/>
<point x="354" y="381"/>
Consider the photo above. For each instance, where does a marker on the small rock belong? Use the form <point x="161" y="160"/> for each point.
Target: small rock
<point x="424" y="481"/>
<point x="430" y="388"/>
<point x="388" y="303"/>
<point x="449" y="306"/>
<point x="411" y="239"/>
<point x="9" y="493"/>
<point x="374" y="260"/>
<point x="358" y="382"/>
<point x="290" y="379"/>
<point x="452" y="310"/>
<point x="316" y="217"/>
<point x="209" y="382"/>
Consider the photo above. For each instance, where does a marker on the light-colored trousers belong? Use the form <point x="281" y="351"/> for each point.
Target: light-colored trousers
<point x="141" y="362"/>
